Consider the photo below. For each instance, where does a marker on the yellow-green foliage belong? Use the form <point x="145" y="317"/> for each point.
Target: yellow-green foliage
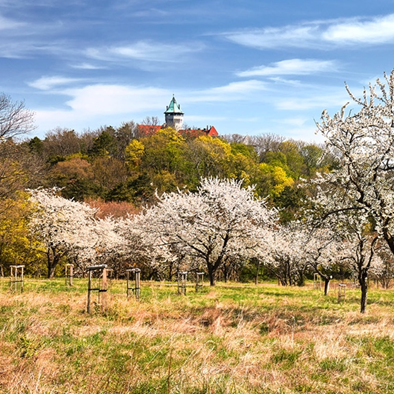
<point x="134" y="152"/>
<point x="166" y="160"/>
<point x="211" y="156"/>
<point x="16" y="245"/>
<point x="275" y="178"/>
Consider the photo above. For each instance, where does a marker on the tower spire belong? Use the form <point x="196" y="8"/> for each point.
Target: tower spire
<point x="174" y="115"/>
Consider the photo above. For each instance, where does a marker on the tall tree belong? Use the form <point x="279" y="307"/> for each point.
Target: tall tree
<point x="359" y="194"/>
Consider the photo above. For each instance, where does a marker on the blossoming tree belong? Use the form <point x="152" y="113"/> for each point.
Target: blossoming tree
<point x="221" y="220"/>
<point x="359" y="195"/>
<point x="61" y="225"/>
<point x="321" y="250"/>
<point x="284" y="257"/>
<point x="143" y="247"/>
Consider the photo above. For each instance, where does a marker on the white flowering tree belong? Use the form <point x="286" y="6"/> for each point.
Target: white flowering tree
<point x="322" y="250"/>
<point x="63" y="226"/>
<point x="107" y="243"/>
<point x="222" y="220"/>
<point x="386" y="272"/>
<point x="360" y="251"/>
<point x="143" y="247"/>
<point x="284" y="257"/>
<point x="364" y="144"/>
<point x="360" y="192"/>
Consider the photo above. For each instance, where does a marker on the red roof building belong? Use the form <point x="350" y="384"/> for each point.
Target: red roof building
<point x="146" y="129"/>
<point x="174" y="119"/>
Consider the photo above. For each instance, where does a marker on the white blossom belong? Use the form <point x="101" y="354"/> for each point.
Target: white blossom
<point x="222" y="220"/>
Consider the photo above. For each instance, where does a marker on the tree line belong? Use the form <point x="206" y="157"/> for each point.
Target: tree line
<point x="124" y="164"/>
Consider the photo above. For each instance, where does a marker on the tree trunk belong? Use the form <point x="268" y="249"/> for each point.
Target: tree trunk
<point x="212" y="275"/>
<point x="289" y="276"/>
<point x="326" y="286"/>
<point x="364" y="291"/>
<point x="256" y="278"/>
<point x="225" y="274"/>
<point x="52" y="260"/>
<point x="301" y="279"/>
<point x="51" y="272"/>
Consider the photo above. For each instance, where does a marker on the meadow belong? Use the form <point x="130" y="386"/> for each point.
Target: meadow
<point x="234" y="338"/>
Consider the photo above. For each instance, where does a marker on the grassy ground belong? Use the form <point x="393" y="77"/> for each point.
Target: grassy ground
<point x="231" y="339"/>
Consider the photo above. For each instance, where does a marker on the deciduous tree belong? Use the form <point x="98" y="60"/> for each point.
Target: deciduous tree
<point x="61" y="225"/>
<point x="221" y="220"/>
<point x="15" y="119"/>
<point x="358" y="196"/>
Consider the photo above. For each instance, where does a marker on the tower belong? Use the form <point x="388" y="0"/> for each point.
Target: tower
<point x="174" y="115"/>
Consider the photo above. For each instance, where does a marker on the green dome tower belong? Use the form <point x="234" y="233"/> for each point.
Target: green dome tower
<point x="174" y="115"/>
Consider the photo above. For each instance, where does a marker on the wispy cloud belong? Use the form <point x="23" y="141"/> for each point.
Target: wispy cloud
<point x="48" y="83"/>
<point x="33" y="49"/>
<point x="151" y="13"/>
<point x="311" y="101"/>
<point x="319" y="34"/>
<point x="296" y="121"/>
<point x="10" y="24"/>
<point x="87" y="66"/>
<point x="286" y="81"/>
<point x="232" y="91"/>
<point x="291" y="67"/>
<point x="287" y="36"/>
<point x="144" y="50"/>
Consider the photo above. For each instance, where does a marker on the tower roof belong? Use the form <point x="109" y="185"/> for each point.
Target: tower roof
<point x="174" y="107"/>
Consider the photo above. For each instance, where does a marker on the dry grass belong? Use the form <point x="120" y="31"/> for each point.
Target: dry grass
<point x="231" y="339"/>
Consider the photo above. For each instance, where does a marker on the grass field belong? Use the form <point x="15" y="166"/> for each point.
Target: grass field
<point x="235" y="338"/>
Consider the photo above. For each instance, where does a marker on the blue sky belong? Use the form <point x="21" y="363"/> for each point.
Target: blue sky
<point x="247" y="67"/>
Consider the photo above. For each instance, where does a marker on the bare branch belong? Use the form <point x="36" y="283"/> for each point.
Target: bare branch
<point x="15" y="119"/>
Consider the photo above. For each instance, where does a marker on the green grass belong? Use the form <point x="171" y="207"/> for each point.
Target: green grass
<point x="235" y="338"/>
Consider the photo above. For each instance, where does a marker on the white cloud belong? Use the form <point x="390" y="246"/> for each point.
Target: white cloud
<point x="285" y="81"/>
<point x="151" y="13"/>
<point x="232" y="91"/>
<point x="48" y="83"/>
<point x="375" y="31"/>
<point x="320" y="34"/>
<point x="291" y="67"/>
<point x="311" y="101"/>
<point x="95" y="105"/>
<point x="296" y="121"/>
<point x="9" y="24"/>
<point x="87" y="66"/>
<point x="115" y="99"/>
<point x="144" y="50"/>
<point x="239" y="87"/>
<point x="288" y="36"/>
